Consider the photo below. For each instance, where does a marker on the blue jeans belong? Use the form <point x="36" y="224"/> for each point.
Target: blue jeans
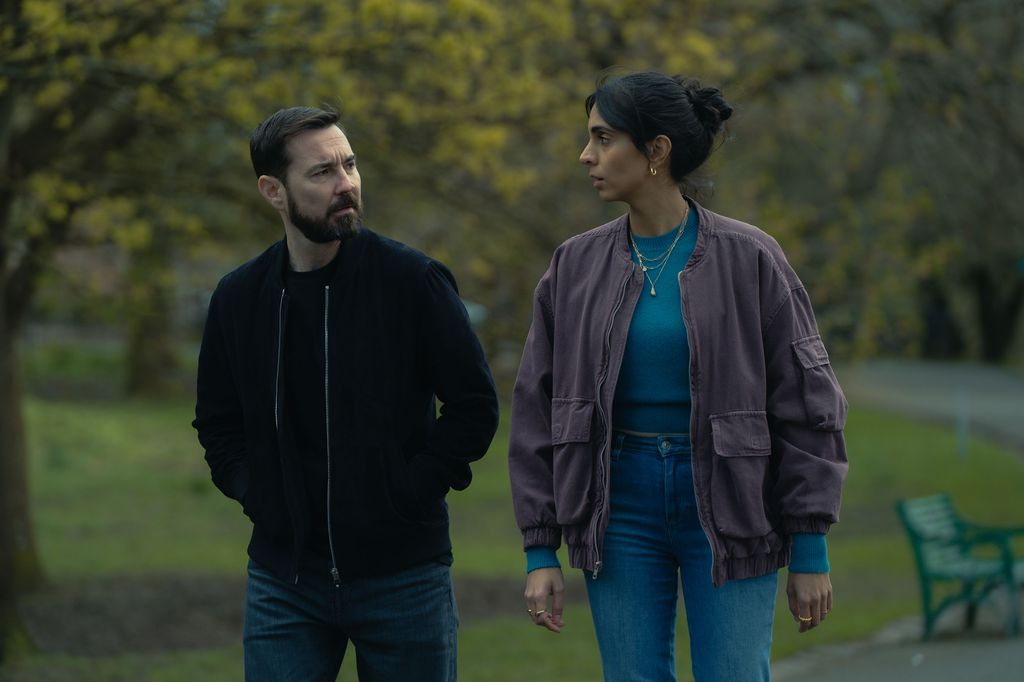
<point x="403" y="626"/>
<point x="654" y="538"/>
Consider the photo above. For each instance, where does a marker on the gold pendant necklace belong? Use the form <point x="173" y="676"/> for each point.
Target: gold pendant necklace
<point x="663" y="257"/>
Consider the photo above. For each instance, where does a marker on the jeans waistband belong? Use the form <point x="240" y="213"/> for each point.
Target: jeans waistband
<point x="663" y="444"/>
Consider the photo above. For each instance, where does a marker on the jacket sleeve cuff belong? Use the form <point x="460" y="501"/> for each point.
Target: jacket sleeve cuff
<point x="425" y="479"/>
<point x="542" y="536"/>
<point x="541" y="557"/>
<point x="238" y="486"/>
<point x="810" y="554"/>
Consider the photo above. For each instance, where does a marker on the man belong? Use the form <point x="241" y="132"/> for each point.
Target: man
<point x="318" y="372"/>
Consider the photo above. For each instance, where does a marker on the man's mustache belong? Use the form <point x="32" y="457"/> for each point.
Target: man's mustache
<point x="346" y="201"/>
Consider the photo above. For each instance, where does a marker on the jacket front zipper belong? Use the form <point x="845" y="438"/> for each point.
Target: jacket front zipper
<point x="327" y="422"/>
<point x="602" y="471"/>
<point x="693" y="434"/>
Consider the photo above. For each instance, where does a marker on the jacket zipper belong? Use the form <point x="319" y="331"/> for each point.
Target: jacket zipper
<point x="604" y="423"/>
<point x="327" y="423"/>
<point x="693" y="435"/>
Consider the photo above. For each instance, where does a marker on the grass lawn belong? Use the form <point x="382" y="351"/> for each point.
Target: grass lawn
<point x="121" y="488"/>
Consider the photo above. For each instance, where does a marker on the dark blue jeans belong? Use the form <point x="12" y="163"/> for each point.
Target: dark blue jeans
<point x="655" y="544"/>
<point x="403" y="626"/>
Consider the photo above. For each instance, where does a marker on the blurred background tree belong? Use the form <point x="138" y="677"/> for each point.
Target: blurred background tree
<point x="881" y="143"/>
<point x="892" y="168"/>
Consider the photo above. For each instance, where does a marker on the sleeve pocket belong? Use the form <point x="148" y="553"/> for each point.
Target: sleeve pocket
<point x="570" y="420"/>
<point x="823" y="398"/>
<point x="739" y="474"/>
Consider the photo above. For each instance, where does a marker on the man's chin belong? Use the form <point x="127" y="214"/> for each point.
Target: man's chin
<point x="336" y="232"/>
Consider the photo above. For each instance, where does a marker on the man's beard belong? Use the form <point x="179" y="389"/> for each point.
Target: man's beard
<point x="328" y="228"/>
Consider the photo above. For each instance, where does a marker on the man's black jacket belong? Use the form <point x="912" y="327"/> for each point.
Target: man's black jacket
<point x="396" y="335"/>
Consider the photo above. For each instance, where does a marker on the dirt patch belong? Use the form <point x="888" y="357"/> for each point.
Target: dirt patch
<point x="135" y="614"/>
<point x="158" y="613"/>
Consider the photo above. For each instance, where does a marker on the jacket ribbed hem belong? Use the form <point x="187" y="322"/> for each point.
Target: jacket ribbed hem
<point x="792" y="525"/>
<point x="583" y="556"/>
<point x="749" y="567"/>
<point x="391" y="551"/>
<point x="581" y="541"/>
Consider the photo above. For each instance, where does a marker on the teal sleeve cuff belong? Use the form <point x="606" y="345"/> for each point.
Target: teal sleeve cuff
<point x="810" y="553"/>
<point x="541" y="557"/>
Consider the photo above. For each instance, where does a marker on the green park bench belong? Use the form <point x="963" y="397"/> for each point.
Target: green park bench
<point x="963" y="560"/>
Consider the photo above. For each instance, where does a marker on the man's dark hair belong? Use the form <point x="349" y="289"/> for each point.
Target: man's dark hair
<point x="267" y="145"/>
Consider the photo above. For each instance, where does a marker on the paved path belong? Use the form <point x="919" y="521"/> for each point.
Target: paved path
<point x="897" y="654"/>
<point x="953" y="660"/>
<point x="983" y="399"/>
<point x="974" y="399"/>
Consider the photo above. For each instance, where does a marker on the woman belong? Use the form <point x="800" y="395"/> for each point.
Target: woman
<point x="675" y="417"/>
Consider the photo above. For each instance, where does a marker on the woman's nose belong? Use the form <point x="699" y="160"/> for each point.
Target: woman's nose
<point x="585" y="156"/>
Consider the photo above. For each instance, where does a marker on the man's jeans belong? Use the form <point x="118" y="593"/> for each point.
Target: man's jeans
<point x="653" y="537"/>
<point x="403" y="626"/>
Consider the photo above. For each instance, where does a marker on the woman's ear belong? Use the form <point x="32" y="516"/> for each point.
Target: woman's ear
<point x="658" y="151"/>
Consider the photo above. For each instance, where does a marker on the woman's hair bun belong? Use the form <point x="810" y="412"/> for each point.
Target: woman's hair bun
<point x="708" y="103"/>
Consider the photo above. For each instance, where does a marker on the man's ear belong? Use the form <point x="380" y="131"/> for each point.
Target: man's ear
<point x="658" y="151"/>
<point x="273" y="190"/>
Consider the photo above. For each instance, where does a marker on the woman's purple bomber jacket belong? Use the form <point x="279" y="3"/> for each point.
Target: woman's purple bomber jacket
<point x="767" y="413"/>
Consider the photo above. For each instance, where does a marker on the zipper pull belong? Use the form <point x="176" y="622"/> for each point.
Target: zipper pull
<point x="597" y="570"/>
<point x="336" y="576"/>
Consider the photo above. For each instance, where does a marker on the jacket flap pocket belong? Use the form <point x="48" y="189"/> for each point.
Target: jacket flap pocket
<point x="810" y="351"/>
<point x="741" y="434"/>
<point x="570" y="420"/>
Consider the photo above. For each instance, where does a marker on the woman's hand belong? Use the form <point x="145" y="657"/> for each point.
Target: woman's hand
<point x="544" y="589"/>
<point x="810" y="598"/>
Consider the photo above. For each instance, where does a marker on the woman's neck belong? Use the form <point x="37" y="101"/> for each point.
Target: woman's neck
<point x="657" y="214"/>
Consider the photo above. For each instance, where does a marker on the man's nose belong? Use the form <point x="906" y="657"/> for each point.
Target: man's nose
<point x="345" y="183"/>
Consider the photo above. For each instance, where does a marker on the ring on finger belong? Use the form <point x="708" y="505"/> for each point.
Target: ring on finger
<point x="803" y="619"/>
<point x="541" y="612"/>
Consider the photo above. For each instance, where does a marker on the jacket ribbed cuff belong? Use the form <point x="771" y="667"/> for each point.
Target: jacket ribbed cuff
<point x="541" y="557"/>
<point x="810" y="554"/>
<point x="542" y="536"/>
<point x="791" y="525"/>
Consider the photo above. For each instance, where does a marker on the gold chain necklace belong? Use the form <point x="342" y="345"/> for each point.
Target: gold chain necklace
<point x="660" y="261"/>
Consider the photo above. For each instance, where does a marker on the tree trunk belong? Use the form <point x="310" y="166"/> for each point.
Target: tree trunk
<point x="943" y="338"/>
<point x="20" y="569"/>
<point x="999" y="297"/>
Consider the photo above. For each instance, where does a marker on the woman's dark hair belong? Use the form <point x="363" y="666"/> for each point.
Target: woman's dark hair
<point x="268" y="143"/>
<point x="649" y="104"/>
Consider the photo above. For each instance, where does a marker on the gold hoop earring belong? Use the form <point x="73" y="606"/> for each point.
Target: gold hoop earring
<point x="654" y="171"/>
